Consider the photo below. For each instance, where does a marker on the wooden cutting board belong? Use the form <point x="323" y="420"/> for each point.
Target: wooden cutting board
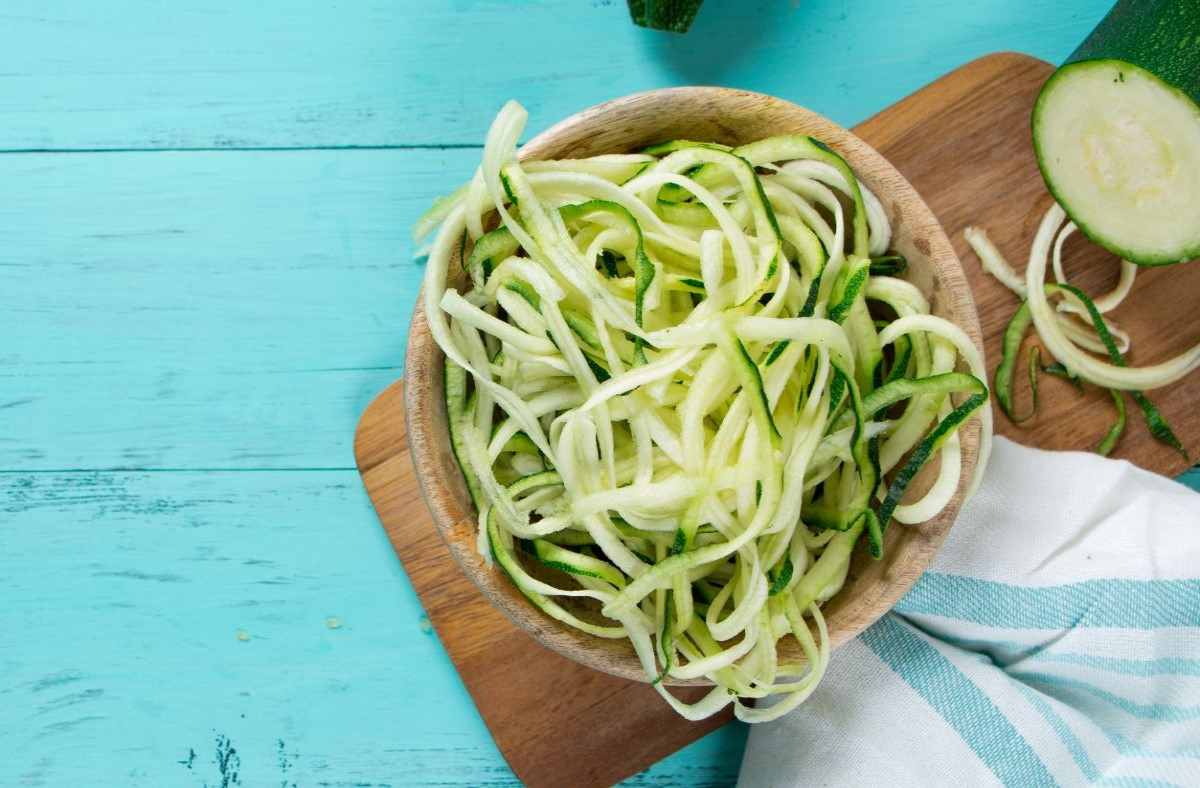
<point x="963" y="142"/>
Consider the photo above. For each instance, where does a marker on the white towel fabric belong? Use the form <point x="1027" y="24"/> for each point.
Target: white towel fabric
<point x="1055" y="640"/>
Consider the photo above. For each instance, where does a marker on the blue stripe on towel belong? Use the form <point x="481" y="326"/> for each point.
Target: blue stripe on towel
<point x="1005" y="653"/>
<point x="1132" y="604"/>
<point x="1162" y="712"/>
<point x="1163" y="666"/>
<point x="1078" y="752"/>
<point x="963" y="705"/>
<point x="1131" y="749"/>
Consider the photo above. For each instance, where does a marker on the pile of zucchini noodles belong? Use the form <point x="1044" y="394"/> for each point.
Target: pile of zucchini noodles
<point x="664" y="382"/>
<point x="1072" y="329"/>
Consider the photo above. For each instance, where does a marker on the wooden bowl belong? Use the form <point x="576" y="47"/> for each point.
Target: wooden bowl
<point x="731" y="117"/>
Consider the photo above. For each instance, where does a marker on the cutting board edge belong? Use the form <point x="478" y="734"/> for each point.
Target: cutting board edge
<point x="362" y="461"/>
<point x="374" y="414"/>
<point x="379" y="473"/>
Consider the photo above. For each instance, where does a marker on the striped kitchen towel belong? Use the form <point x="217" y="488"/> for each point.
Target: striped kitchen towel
<point x="1054" y="641"/>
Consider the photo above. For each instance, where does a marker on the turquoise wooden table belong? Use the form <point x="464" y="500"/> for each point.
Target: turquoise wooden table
<point x="206" y="275"/>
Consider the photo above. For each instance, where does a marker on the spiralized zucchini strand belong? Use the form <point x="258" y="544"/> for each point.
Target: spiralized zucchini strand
<point x="674" y="409"/>
<point x="1070" y="341"/>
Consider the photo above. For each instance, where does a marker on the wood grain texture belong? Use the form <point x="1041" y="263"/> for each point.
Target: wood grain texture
<point x="731" y="117"/>
<point x="276" y="73"/>
<point x="971" y="157"/>
<point x="220" y="311"/>
<point x="180" y="628"/>
<point x="487" y="648"/>
<point x="179" y="619"/>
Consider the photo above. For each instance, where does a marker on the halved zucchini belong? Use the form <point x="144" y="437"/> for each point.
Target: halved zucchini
<point x="1117" y="132"/>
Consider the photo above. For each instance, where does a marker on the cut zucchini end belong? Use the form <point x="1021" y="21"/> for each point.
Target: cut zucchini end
<point x="1120" y="151"/>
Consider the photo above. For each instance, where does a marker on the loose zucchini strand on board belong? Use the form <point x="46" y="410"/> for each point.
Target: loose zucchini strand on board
<point x="1064" y="336"/>
<point x="671" y="402"/>
<point x="1010" y="349"/>
<point x="1109" y="441"/>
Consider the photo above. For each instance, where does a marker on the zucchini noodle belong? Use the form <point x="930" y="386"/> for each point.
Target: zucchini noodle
<point x="674" y="409"/>
<point x="1070" y="341"/>
<point x="1099" y="372"/>
<point x="1082" y="335"/>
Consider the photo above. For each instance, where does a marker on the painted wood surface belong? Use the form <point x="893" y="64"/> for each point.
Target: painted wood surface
<point x="165" y="628"/>
<point x="189" y="337"/>
<point x="274" y="73"/>
<point x="219" y="310"/>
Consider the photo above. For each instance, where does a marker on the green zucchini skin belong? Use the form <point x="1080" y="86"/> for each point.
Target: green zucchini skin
<point x="1161" y="36"/>
<point x="1141" y="47"/>
<point x="674" y="16"/>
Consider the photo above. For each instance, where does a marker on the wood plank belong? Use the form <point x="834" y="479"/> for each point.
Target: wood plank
<point x="121" y="652"/>
<point x="198" y="310"/>
<point x="214" y="73"/>
<point x="963" y="142"/>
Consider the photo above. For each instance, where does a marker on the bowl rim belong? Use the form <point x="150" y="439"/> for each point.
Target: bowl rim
<point x="425" y="414"/>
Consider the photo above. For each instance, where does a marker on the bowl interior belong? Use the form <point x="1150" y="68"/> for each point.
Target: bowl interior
<point x="731" y="117"/>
